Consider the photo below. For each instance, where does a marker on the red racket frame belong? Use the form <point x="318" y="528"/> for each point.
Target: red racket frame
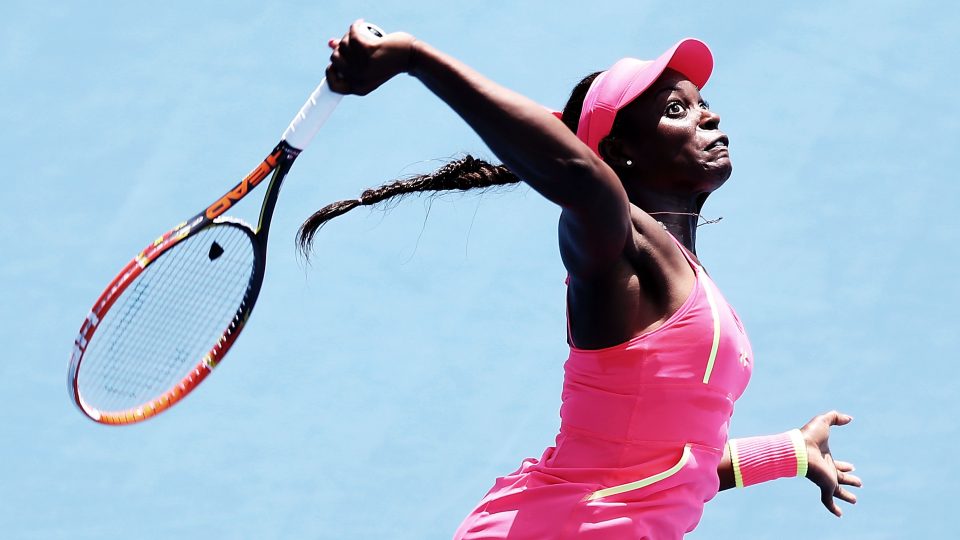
<point x="278" y="162"/>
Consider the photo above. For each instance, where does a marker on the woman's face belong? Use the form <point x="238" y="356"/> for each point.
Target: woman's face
<point x="673" y="137"/>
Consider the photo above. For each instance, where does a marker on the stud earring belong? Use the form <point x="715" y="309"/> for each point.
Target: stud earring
<point x="629" y="163"/>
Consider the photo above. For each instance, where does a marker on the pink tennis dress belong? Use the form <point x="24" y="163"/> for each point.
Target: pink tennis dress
<point x="643" y="426"/>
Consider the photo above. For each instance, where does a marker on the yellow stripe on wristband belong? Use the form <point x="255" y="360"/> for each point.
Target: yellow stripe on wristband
<point x="800" y="448"/>
<point x="735" y="459"/>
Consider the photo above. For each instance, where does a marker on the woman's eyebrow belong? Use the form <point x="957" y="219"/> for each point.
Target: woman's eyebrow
<point x="675" y="88"/>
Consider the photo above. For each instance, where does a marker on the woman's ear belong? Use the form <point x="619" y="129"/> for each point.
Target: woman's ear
<point x="613" y="152"/>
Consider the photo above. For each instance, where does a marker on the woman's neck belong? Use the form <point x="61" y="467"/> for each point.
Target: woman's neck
<point x="678" y="213"/>
<point x="682" y="225"/>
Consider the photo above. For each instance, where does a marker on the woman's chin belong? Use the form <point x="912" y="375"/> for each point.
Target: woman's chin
<point x="717" y="173"/>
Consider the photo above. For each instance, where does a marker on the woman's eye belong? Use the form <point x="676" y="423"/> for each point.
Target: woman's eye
<point x="704" y="105"/>
<point x="674" y="108"/>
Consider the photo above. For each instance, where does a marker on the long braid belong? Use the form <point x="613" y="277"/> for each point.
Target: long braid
<point x="462" y="174"/>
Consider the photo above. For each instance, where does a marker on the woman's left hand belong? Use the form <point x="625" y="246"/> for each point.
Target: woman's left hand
<point x="829" y="475"/>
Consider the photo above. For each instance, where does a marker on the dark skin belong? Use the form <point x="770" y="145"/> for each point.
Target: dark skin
<point x="660" y="163"/>
<point x="669" y="155"/>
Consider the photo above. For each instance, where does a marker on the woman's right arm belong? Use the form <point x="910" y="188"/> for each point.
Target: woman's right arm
<point x="526" y="137"/>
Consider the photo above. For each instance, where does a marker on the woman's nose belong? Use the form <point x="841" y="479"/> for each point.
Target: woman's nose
<point x="709" y="119"/>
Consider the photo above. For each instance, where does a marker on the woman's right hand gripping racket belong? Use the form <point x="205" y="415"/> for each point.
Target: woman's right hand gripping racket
<point x="174" y="311"/>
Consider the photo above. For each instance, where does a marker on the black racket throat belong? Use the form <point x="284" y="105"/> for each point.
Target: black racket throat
<point x="288" y="155"/>
<point x="284" y="155"/>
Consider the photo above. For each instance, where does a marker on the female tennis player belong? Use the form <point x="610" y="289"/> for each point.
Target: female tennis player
<point x="657" y="355"/>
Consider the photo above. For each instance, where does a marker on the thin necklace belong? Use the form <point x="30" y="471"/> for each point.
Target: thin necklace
<point x="698" y="216"/>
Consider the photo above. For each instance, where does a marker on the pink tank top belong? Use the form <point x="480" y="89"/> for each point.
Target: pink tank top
<point x="643" y="426"/>
<point x="637" y="409"/>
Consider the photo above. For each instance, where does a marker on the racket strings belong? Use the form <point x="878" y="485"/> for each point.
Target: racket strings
<point x="129" y="311"/>
<point x="128" y="307"/>
<point x="168" y="319"/>
<point x="189" y="301"/>
<point x="190" y="304"/>
<point x="139" y="381"/>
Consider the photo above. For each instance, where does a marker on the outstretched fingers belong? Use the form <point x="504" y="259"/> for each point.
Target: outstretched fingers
<point x="845" y="495"/>
<point x="836" y="418"/>
<point x="844" y="475"/>
<point x="844" y="466"/>
<point x="826" y="498"/>
<point x="832" y="477"/>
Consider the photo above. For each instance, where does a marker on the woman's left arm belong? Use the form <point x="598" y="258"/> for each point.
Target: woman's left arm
<point x="829" y="475"/>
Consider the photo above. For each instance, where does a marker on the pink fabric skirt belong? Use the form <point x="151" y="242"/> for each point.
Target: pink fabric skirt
<point x="538" y="502"/>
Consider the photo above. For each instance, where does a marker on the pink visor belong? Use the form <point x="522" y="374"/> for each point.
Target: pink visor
<point x="615" y="88"/>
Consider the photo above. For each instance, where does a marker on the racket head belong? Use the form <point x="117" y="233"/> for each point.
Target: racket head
<point x="166" y="320"/>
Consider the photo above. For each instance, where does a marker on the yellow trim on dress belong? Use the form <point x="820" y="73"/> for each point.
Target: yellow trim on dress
<point x="716" y="331"/>
<point x="623" y="488"/>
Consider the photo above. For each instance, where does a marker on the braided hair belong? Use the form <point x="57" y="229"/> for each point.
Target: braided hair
<point x="461" y="174"/>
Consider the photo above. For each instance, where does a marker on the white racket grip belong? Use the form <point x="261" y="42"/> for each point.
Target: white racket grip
<point x="312" y="116"/>
<point x="314" y="113"/>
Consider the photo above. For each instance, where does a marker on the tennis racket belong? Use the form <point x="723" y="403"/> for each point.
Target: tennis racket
<point x="173" y="312"/>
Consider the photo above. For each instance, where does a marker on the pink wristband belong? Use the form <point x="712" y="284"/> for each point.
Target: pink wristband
<point x="758" y="459"/>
